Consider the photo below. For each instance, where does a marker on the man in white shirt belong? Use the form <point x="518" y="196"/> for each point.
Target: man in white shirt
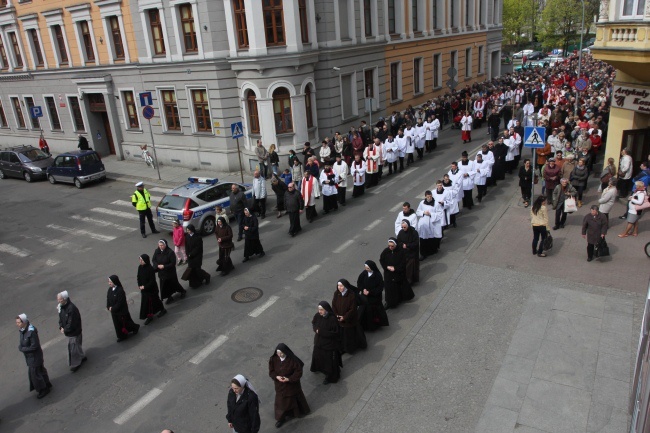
<point x="624" y="174"/>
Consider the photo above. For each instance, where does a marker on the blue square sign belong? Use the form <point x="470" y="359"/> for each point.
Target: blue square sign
<point x="36" y="111"/>
<point x="237" y="129"/>
<point x="534" y="137"/>
<point x="145" y="99"/>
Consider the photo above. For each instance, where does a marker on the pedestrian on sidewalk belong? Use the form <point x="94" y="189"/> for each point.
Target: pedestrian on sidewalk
<point x="224" y="235"/>
<point x="561" y="192"/>
<point x="259" y="194"/>
<point x="237" y="205"/>
<point x="252" y="244"/>
<point x="164" y="262"/>
<point x="326" y="356"/>
<point x="594" y="228"/>
<point x="607" y="198"/>
<point x="194" y="244"/>
<point x="541" y="226"/>
<point x="285" y="369"/>
<point x="638" y="198"/>
<point x="262" y="157"/>
<point x="150" y="303"/>
<point x="178" y="235"/>
<point x="119" y="309"/>
<point x="30" y="346"/>
<point x="579" y="177"/>
<point x="293" y="204"/>
<point x="243" y="406"/>
<point x="274" y="160"/>
<point x="141" y="201"/>
<point x="526" y="182"/>
<point x="70" y="326"/>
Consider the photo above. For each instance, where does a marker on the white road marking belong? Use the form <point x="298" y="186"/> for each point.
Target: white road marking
<point x="307" y="273"/>
<point x="80" y="232"/>
<point x="50" y="262"/>
<point x="207" y="350"/>
<point x="57" y="243"/>
<point x="159" y="189"/>
<point x="343" y="246"/>
<point x="407" y="172"/>
<point x="10" y="249"/>
<point x="264" y="223"/>
<point x="53" y="341"/>
<point x="372" y="225"/>
<point x="118" y="213"/>
<point x="397" y="207"/>
<point x="137" y="406"/>
<point x="259" y="310"/>
<point x="102" y="223"/>
<point x="129" y="204"/>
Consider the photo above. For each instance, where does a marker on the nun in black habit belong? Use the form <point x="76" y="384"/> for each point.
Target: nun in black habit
<point x="344" y="305"/>
<point x="150" y="304"/>
<point x="408" y="240"/>
<point x="370" y="286"/>
<point x="285" y="369"/>
<point x="393" y="261"/>
<point x="119" y="309"/>
<point x="326" y="357"/>
<point x="164" y="262"/>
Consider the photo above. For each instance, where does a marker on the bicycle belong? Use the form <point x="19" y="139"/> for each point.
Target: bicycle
<point x="148" y="159"/>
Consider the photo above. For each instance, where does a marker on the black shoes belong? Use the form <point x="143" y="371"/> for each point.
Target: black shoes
<point x="148" y="320"/>
<point x="245" y="260"/>
<point x="207" y="280"/>
<point x="144" y="235"/>
<point x="326" y="381"/>
<point x="169" y="300"/>
<point x="44" y="392"/>
<point x="239" y="239"/>
<point x="262" y="254"/>
<point x="556" y="227"/>
<point x="155" y="231"/>
<point x="589" y="259"/>
<point x="183" y="294"/>
<point x="162" y="313"/>
<point x="279" y="423"/>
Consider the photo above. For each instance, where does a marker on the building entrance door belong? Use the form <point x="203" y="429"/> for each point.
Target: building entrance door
<point x="101" y="123"/>
<point x="638" y="142"/>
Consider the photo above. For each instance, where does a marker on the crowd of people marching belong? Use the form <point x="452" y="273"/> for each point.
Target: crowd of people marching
<point x="360" y="159"/>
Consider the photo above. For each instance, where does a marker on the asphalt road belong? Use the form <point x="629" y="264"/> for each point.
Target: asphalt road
<point x="175" y="373"/>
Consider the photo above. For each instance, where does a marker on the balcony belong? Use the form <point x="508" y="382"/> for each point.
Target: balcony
<point x="625" y="45"/>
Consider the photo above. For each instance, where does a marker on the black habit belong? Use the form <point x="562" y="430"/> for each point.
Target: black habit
<point x="372" y="312"/>
<point x="326" y="357"/>
<point x="151" y="303"/>
<point x="398" y="288"/>
<point x="116" y="304"/>
<point x="289" y="398"/>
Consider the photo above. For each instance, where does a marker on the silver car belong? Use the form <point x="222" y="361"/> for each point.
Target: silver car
<point x="195" y="203"/>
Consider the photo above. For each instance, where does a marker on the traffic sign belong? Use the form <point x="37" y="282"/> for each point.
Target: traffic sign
<point x="145" y="99"/>
<point x="36" y="111"/>
<point x="534" y="137"/>
<point x="451" y="72"/>
<point x="581" y="84"/>
<point x="452" y="83"/>
<point x="148" y="112"/>
<point x="237" y="129"/>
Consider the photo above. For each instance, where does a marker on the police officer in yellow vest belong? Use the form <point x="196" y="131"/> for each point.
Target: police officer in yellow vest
<point x="141" y="201"/>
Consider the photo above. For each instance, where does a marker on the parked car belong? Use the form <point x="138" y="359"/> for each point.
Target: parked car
<point x="25" y="162"/>
<point x="530" y="65"/>
<point x="552" y="60"/>
<point x="520" y="54"/>
<point x="79" y="167"/>
<point x="195" y="203"/>
<point x="535" y="55"/>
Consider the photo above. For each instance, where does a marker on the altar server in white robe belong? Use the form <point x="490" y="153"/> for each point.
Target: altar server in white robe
<point x="480" y="179"/>
<point x="468" y="170"/>
<point x="406" y="214"/>
<point x="430" y="221"/>
<point x="420" y="138"/>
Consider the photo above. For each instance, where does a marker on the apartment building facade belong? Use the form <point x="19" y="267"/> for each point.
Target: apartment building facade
<point x="290" y="70"/>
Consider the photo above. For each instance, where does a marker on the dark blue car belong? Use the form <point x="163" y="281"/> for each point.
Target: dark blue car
<point x="79" y="167"/>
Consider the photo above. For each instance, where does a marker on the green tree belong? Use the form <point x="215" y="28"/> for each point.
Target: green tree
<point x="514" y="21"/>
<point x="562" y="20"/>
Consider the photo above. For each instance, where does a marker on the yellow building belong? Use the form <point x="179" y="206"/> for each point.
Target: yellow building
<point x="623" y="40"/>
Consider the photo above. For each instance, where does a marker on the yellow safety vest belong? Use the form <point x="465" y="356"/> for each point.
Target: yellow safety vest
<point x="142" y="200"/>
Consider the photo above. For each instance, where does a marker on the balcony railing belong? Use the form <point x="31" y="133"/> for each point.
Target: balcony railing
<point x="629" y="35"/>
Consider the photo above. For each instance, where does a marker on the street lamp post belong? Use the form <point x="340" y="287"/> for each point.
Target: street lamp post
<point x="582" y="31"/>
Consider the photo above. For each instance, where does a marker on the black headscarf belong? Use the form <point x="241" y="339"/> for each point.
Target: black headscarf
<point x="146" y="272"/>
<point x="146" y="260"/>
<point x="288" y="352"/>
<point x="346" y="284"/>
<point x="116" y="280"/>
<point x="326" y="306"/>
<point x="191" y="228"/>
<point x="372" y="265"/>
<point x="224" y="222"/>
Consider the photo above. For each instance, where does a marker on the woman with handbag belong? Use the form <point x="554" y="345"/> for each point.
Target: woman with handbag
<point x="579" y="176"/>
<point x="637" y="199"/>
<point x="608" y="172"/>
<point x="539" y="221"/>
<point x="594" y="228"/>
<point x="563" y="202"/>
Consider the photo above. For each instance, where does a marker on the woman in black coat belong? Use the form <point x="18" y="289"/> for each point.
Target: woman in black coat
<point x="370" y="286"/>
<point x="279" y="188"/>
<point x="164" y="262"/>
<point x="526" y="182"/>
<point x="252" y="244"/>
<point x="326" y="357"/>
<point x="119" y="309"/>
<point x="243" y="406"/>
<point x="151" y="303"/>
<point x="393" y="261"/>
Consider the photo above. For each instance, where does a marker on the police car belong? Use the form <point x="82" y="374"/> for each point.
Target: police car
<point x="195" y="203"/>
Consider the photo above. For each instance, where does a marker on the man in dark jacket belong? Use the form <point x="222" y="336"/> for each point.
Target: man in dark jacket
<point x="494" y="120"/>
<point x="594" y="228"/>
<point x="293" y="204"/>
<point x="30" y="345"/>
<point x="237" y="205"/>
<point x="194" y="250"/>
<point x="70" y="326"/>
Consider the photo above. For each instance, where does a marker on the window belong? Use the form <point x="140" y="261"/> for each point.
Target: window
<point x="60" y="45"/>
<point x="29" y="101"/>
<point x="16" y="47"/>
<point x="3" y="3"/>
<point x="369" y="83"/>
<point x="36" y="45"/>
<point x="348" y="96"/>
<point x="170" y="109"/>
<point x="434" y="14"/>
<point x="414" y="15"/>
<point x="116" y="35"/>
<point x="481" y="16"/>
<point x="633" y="8"/>
<point x="395" y="81"/>
<point x="437" y="71"/>
<point x="131" y="110"/>
<point x="253" y="117"/>
<point x="18" y="111"/>
<point x="467" y="10"/>
<point x="308" y="107"/>
<point x="201" y="110"/>
<point x="3" y="117"/>
<point x="391" y="17"/>
<point x="367" y="17"/>
<point x="3" y="54"/>
<point x="273" y="22"/>
<point x="77" y="118"/>
<point x="481" y="59"/>
<point x="453" y="60"/>
<point x="157" y="32"/>
<point x="304" y="27"/>
<point x="468" y="62"/>
<point x="52" y="112"/>
<point x="417" y="76"/>
<point x="282" y="111"/>
<point x="87" y="41"/>
<point x="240" y="23"/>
<point x="187" y="24"/>
<point x="452" y="14"/>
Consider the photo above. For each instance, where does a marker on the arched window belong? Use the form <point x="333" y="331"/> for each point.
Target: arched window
<point x="282" y="111"/>
<point x="308" y="107"/>
<point x="253" y="117"/>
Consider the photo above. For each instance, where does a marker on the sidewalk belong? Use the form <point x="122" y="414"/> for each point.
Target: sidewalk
<point x="514" y="343"/>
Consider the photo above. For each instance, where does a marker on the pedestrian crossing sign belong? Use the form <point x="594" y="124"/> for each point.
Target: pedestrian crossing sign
<point x="237" y="129"/>
<point x="534" y="137"/>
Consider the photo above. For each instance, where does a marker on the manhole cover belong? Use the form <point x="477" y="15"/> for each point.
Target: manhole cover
<point x="247" y="294"/>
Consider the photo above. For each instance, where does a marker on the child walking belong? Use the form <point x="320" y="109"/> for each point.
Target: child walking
<point x="179" y="243"/>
